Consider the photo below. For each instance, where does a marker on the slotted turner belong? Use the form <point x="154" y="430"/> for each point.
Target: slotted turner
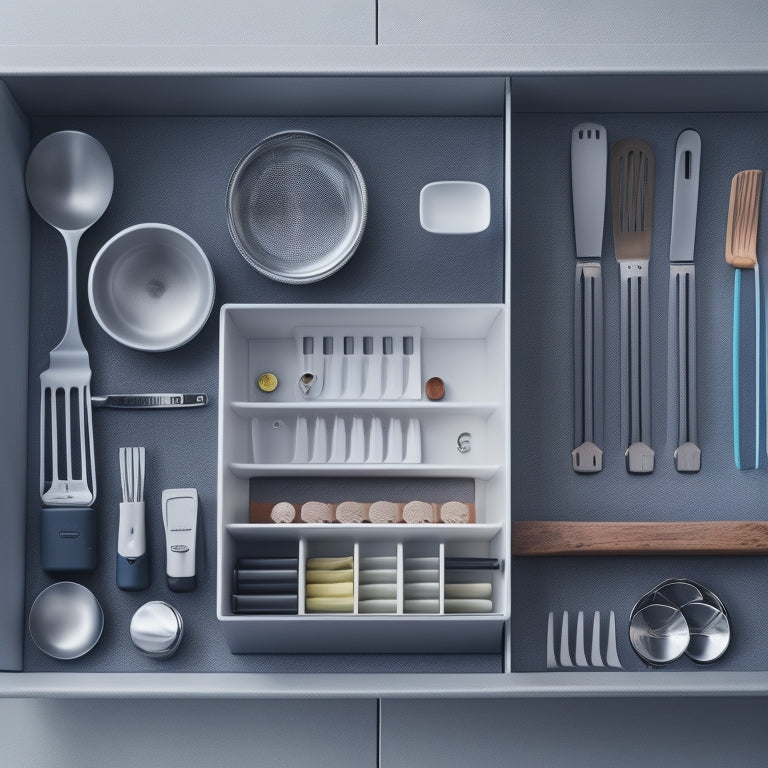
<point x="632" y="180"/>
<point x="69" y="182"/>
<point x="682" y="299"/>
<point x="589" y="161"/>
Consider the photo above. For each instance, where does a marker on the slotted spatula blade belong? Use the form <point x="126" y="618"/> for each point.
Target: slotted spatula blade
<point x="589" y="161"/>
<point x="67" y="476"/>
<point x="632" y="181"/>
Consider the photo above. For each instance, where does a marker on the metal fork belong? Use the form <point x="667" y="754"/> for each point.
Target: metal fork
<point x="595" y="658"/>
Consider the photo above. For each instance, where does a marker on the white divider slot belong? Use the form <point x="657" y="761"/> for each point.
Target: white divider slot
<point x="421" y="578"/>
<point x="474" y="590"/>
<point x="378" y="578"/>
<point x="355" y="577"/>
<point x="400" y="578"/>
<point x="368" y="363"/>
<point x="441" y="555"/>
<point x="302" y="576"/>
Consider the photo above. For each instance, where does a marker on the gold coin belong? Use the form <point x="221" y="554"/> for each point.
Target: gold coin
<point x="267" y="382"/>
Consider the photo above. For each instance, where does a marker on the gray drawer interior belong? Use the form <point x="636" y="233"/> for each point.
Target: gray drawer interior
<point x="175" y="171"/>
<point x="541" y="305"/>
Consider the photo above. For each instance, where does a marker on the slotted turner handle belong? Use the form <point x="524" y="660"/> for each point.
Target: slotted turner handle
<point x="589" y="163"/>
<point x="632" y="180"/>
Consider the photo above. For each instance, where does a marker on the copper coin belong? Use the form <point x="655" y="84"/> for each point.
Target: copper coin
<point x="435" y="388"/>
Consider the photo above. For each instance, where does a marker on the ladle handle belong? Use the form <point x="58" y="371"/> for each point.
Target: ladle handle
<point x="71" y="338"/>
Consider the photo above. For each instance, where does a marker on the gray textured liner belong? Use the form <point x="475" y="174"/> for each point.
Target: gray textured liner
<point x="14" y="329"/>
<point x="543" y="483"/>
<point x="175" y="171"/>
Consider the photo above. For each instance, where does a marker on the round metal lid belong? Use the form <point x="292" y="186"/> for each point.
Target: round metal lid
<point x="659" y="634"/>
<point x="157" y="629"/>
<point x="710" y="632"/>
<point x="66" y="620"/>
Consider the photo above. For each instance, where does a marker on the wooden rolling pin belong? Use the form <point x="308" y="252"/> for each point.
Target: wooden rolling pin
<point x="532" y="538"/>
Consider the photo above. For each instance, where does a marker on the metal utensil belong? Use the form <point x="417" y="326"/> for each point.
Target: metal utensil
<point x="682" y="298"/>
<point x="710" y="632"/>
<point x="632" y="179"/>
<point x="659" y="634"/>
<point x="69" y="182"/>
<point x="133" y="572"/>
<point x="296" y="207"/>
<point x="156" y="629"/>
<point x="164" y="400"/>
<point x="66" y="620"/>
<point x="563" y="659"/>
<point x="589" y="162"/>
<point x="151" y="287"/>
<point x="704" y="613"/>
<point x="741" y="253"/>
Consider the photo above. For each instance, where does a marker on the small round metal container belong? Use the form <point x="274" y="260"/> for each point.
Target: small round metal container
<point x="296" y="207"/>
<point x="151" y="287"/>
<point x="66" y="620"/>
<point x="157" y="629"/>
<point x="659" y="634"/>
<point x="702" y="610"/>
<point x="710" y="632"/>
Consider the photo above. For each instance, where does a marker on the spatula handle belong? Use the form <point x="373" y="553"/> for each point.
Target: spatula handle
<point x="682" y="319"/>
<point x="588" y="374"/>
<point x="746" y="389"/>
<point x="635" y="365"/>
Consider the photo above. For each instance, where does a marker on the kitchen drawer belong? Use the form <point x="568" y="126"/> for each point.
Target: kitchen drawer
<point x="175" y="169"/>
<point x="503" y="297"/>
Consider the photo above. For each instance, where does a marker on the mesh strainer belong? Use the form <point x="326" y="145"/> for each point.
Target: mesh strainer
<point x="296" y="207"/>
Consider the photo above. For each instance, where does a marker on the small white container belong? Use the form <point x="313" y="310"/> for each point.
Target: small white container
<point x="455" y="207"/>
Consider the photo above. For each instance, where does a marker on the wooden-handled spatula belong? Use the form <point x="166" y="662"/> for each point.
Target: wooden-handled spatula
<point x="741" y="253"/>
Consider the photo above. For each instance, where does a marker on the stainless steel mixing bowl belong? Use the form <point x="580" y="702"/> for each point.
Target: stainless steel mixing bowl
<point x="151" y="287"/>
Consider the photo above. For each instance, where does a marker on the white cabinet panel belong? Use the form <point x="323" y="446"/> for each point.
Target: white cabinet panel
<point x="176" y="23"/>
<point x="564" y="22"/>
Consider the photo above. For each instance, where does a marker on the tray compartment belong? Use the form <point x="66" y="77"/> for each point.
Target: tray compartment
<point x="462" y="343"/>
<point x="543" y="484"/>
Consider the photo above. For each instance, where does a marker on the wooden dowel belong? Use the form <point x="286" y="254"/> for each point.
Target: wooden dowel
<point x="548" y="538"/>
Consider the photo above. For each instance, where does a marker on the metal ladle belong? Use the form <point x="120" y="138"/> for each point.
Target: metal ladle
<point x="69" y="183"/>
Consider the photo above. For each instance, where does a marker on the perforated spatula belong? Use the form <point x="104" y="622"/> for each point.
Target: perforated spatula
<point x="682" y="299"/>
<point x="741" y="253"/>
<point x="589" y="162"/>
<point x="632" y="178"/>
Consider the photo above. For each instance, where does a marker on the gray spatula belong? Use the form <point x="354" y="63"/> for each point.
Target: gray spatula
<point x="589" y="161"/>
<point x="632" y="178"/>
<point x="682" y="299"/>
